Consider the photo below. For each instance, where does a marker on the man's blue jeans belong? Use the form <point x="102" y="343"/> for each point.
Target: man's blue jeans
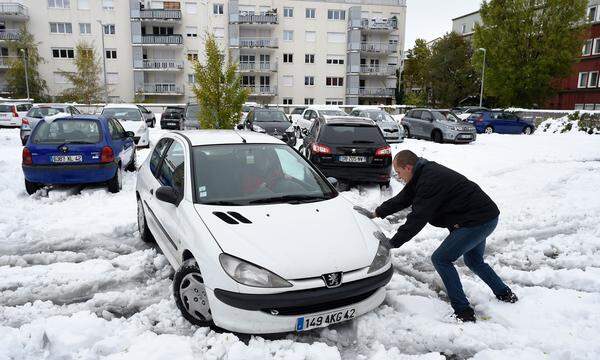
<point x="470" y="243"/>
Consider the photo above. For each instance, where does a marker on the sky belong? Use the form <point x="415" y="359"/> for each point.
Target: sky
<point x="429" y="19"/>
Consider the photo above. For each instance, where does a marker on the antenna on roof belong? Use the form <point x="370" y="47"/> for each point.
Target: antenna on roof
<point x="238" y="134"/>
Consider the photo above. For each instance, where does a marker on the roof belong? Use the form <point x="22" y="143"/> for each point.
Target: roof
<point x="349" y="120"/>
<point x="74" y="117"/>
<point x="218" y="137"/>
<point x="121" y="106"/>
<point x="465" y="15"/>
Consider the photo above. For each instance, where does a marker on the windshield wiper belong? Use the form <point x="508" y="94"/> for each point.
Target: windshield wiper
<point x="292" y="199"/>
<point x="222" y="202"/>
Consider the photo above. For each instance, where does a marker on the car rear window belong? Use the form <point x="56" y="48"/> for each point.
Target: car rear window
<point x="67" y="131"/>
<point x="6" y="108"/>
<point x="192" y="111"/>
<point x="123" y="114"/>
<point x="351" y="134"/>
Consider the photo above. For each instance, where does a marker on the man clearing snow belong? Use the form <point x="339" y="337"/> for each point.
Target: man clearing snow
<point x="445" y="198"/>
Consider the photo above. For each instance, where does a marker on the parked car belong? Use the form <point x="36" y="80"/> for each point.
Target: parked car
<point x="246" y="108"/>
<point x="172" y="118"/>
<point x="219" y="205"/>
<point x="463" y="112"/>
<point x="350" y="149"/>
<point x="392" y="131"/>
<point x="149" y="116"/>
<point x="132" y="119"/>
<point x="38" y="112"/>
<point x="81" y="149"/>
<point x="273" y="122"/>
<point x="11" y="113"/>
<point x="500" y="122"/>
<point x="190" y="117"/>
<point x="313" y="112"/>
<point x="296" y="113"/>
<point x="437" y="125"/>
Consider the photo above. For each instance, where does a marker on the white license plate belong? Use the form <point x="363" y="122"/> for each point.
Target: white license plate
<point x="66" y="158"/>
<point x="353" y="159"/>
<point x="317" y="321"/>
<point x="465" y="136"/>
<point x="172" y="124"/>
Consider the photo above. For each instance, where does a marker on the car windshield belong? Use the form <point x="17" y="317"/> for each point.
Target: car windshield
<point x="270" y="116"/>
<point x="333" y="113"/>
<point x="352" y="134"/>
<point x="450" y="116"/>
<point x="245" y="174"/>
<point x="379" y="115"/>
<point x="67" y="131"/>
<point x="191" y="112"/>
<point x="123" y="114"/>
<point x="297" y="111"/>
<point x="174" y="109"/>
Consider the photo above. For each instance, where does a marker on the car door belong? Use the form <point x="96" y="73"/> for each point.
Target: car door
<point x="122" y="145"/>
<point x="511" y="124"/>
<point x="426" y="124"/>
<point x="412" y="120"/>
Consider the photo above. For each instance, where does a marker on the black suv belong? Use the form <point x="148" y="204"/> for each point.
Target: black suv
<point x="350" y="149"/>
<point x="172" y="118"/>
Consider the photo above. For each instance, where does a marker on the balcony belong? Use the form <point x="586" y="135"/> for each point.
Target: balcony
<point x="369" y="70"/>
<point x="156" y="15"/>
<point x="159" y="40"/>
<point x="263" y="90"/>
<point x="378" y="48"/>
<point x="161" y="89"/>
<point x="258" y="43"/>
<point x="9" y="34"/>
<point x="5" y="61"/>
<point x="379" y="25"/>
<point x="13" y="11"/>
<point x="244" y="18"/>
<point x="160" y="65"/>
<point x="253" y="67"/>
<point x="375" y="92"/>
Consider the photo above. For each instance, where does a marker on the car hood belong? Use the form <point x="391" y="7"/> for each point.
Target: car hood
<point x="464" y="124"/>
<point x="387" y="125"/>
<point x="270" y="127"/>
<point x="135" y="126"/>
<point x="296" y="241"/>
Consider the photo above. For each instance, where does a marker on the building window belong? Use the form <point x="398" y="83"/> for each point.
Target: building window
<point x="108" y="5"/>
<point x="334" y="81"/>
<point x="191" y="31"/>
<point x="596" y="47"/>
<point x="111" y="54"/>
<point x="192" y="56"/>
<point x="309" y="80"/>
<point x="61" y="28"/>
<point x="336" y="37"/>
<point x="310" y="36"/>
<point x="59" y="4"/>
<point x="219" y="32"/>
<point x="288" y="101"/>
<point x="578" y="107"/>
<point x="191" y="8"/>
<point x="463" y="28"/>
<point x="287" y="80"/>
<point x="309" y="58"/>
<point x="191" y="78"/>
<point x="112" y="77"/>
<point x="336" y="14"/>
<point x="591" y="14"/>
<point x="311" y="13"/>
<point x="583" y="76"/>
<point x="334" y="102"/>
<point x="335" y="60"/>
<point x="83" y="4"/>
<point x="309" y="101"/>
<point x="288" y="35"/>
<point x="587" y="48"/>
<point x="109" y="29"/>
<point x="593" y="79"/>
<point x="63" y="53"/>
<point x="288" y="12"/>
<point x="218" y="9"/>
<point x="85" y="28"/>
<point x="288" y="58"/>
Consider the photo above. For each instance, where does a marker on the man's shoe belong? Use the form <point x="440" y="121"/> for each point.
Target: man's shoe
<point x="508" y="296"/>
<point x="466" y="315"/>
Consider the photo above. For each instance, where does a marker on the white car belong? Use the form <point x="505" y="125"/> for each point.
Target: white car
<point x="305" y="121"/>
<point x="12" y="113"/>
<point x="260" y="240"/>
<point x="131" y="118"/>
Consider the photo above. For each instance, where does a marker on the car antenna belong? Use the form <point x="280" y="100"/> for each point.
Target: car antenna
<point x="238" y="134"/>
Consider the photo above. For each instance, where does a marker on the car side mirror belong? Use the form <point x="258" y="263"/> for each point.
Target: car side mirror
<point x="167" y="194"/>
<point x="240" y="126"/>
<point x="333" y="181"/>
<point x="129" y="134"/>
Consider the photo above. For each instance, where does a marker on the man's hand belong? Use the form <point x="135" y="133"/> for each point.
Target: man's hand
<point x="383" y="240"/>
<point x="365" y="212"/>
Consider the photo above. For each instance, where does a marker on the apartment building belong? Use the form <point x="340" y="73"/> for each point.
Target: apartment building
<point x="465" y="25"/>
<point x="289" y="51"/>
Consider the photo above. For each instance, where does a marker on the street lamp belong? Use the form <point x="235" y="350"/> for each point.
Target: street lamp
<point x="25" y="63"/>
<point x="104" y="61"/>
<point x="482" y="76"/>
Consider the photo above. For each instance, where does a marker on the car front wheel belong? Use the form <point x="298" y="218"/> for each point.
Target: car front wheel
<point x="488" y="130"/>
<point x="527" y="130"/>
<point x="190" y="296"/>
<point x="406" y="132"/>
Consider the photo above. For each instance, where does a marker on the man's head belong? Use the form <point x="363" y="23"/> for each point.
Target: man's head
<point x="403" y="163"/>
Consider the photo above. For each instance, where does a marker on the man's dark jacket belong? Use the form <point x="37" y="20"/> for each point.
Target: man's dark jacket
<point x="441" y="197"/>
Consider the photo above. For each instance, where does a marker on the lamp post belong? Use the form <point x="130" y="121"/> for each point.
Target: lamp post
<point x="104" y="61"/>
<point x="482" y="76"/>
<point x="25" y="63"/>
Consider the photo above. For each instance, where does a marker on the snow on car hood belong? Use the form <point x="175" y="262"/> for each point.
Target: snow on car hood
<point x="297" y="241"/>
<point x="135" y="126"/>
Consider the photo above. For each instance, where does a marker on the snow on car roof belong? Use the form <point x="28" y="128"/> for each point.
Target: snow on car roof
<point x="352" y="120"/>
<point x="366" y="107"/>
<point x="323" y="107"/>
<point x="121" y="106"/>
<point x="218" y="137"/>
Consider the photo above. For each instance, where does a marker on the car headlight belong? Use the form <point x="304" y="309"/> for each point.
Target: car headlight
<point x="258" y="129"/>
<point x="249" y="274"/>
<point x="382" y="257"/>
<point x="290" y="129"/>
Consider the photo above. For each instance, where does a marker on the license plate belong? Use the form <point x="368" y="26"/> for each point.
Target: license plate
<point x="317" y="321"/>
<point x="465" y="136"/>
<point x="66" y="158"/>
<point x="353" y="159"/>
<point x="171" y="124"/>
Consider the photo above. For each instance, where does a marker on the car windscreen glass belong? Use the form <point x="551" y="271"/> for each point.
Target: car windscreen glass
<point x="450" y="116"/>
<point x="379" y="116"/>
<point x="297" y="111"/>
<point x="270" y="116"/>
<point x="67" y="131"/>
<point x="351" y="134"/>
<point x="244" y="174"/>
<point x="192" y="112"/>
<point x="6" y="108"/>
<point x="333" y="113"/>
<point x="123" y="114"/>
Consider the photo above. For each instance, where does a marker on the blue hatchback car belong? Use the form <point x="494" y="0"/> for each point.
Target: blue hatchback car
<point x="500" y="122"/>
<point x="80" y="149"/>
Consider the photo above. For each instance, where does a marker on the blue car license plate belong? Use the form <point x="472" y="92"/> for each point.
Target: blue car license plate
<point x="61" y="159"/>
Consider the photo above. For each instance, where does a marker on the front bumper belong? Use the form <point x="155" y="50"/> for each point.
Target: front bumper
<point x="69" y="174"/>
<point x="288" y="138"/>
<point x="460" y="136"/>
<point x="274" y="313"/>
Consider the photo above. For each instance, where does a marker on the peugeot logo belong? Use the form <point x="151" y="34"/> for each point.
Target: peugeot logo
<point x="332" y="280"/>
<point x="354" y="151"/>
<point x="64" y="148"/>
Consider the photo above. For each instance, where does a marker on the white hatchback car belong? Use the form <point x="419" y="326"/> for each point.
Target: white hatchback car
<point x="130" y="116"/>
<point x="260" y="239"/>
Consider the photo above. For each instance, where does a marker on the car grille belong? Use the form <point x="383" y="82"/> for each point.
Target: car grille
<point x="391" y="130"/>
<point x="299" y="310"/>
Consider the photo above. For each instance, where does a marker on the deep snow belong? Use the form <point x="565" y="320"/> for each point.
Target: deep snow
<point x="77" y="282"/>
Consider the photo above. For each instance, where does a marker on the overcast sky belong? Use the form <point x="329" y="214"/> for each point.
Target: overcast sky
<point x="429" y="19"/>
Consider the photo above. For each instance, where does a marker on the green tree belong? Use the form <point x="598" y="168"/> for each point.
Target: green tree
<point x="451" y="73"/>
<point x="87" y="88"/>
<point x="218" y="89"/>
<point x="528" y="47"/>
<point x="416" y="71"/>
<point x="26" y="46"/>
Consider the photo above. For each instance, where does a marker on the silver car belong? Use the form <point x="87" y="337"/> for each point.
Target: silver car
<point x="437" y="125"/>
<point x="38" y="112"/>
<point x="389" y="127"/>
<point x="190" y="117"/>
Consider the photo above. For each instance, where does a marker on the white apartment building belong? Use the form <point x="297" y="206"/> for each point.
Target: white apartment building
<point x="289" y="51"/>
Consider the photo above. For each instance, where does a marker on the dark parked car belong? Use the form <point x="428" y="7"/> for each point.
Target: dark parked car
<point x="500" y="122"/>
<point x="350" y="149"/>
<point x="271" y="121"/>
<point x="190" y="117"/>
<point x="172" y="118"/>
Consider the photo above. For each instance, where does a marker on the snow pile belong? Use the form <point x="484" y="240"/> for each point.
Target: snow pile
<point x="575" y="122"/>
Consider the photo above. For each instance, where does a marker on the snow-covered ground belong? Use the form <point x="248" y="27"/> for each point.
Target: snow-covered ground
<point x="77" y="282"/>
